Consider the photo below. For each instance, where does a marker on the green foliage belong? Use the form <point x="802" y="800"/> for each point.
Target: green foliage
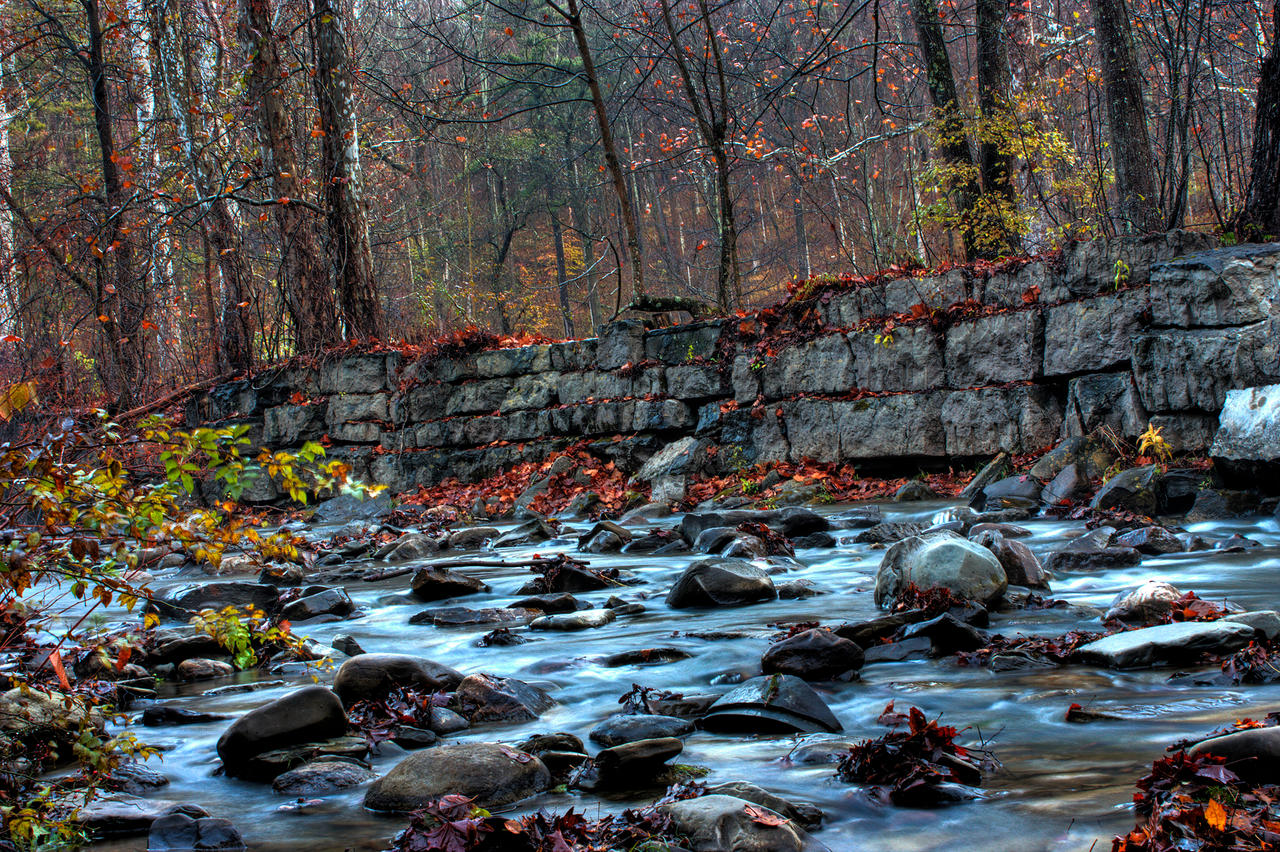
<point x="246" y="632"/>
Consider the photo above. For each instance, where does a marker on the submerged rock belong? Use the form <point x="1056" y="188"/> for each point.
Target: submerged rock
<point x="719" y="823"/>
<point x="322" y="776"/>
<point x="620" y="729"/>
<point x="493" y="774"/>
<point x="179" y="832"/>
<point x="125" y="815"/>
<point x="309" y="714"/>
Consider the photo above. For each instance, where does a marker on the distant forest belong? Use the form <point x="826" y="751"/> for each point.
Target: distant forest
<point x="193" y="187"/>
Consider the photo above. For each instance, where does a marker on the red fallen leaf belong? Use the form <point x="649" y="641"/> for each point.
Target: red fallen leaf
<point x="889" y="718"/>
<point x="763" y="817"/>
<point x="123" y="659"/>
<point x="55" y="660"/>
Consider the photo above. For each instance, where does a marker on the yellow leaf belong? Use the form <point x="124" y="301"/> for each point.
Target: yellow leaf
<point x="1216" y="815"/>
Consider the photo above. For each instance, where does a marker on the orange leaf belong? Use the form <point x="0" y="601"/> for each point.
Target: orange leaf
<point x="1216" y="815"/>
<point x="55" y="660"/>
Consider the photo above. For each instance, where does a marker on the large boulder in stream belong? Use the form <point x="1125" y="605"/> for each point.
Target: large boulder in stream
<point x="188" y="600"/>
<point x="483" y="698"/>
<point x="1166" y="643"/>
<point x="940" y="559"/>
<point x="816" y="654"/>
<point x="434" y="583"/>
<point x="721" y="582"/>
<point x="307" y="715"/>
<point x="373" y="675"/>
<point x="1136" y="489"/>
<point x="492" y="774"/>
<point x="1252" y="754"/>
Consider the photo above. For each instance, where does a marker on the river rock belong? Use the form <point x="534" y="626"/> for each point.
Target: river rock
<point x="271" y="764"/>
<point x="191" y="599"/>
<point x="311" y="713"/>
<point x="583" y="620"/>
<point x="620" y="729"/>
<point x="1020" y="565"/>
<point x="461" y="616"/>
<point x="1247" y="445"/>
<point x="1065" y="488"/>
<point x="605" y="537"/>
<point x="471" y="538"/>
<point x="135" y="778"/>
<point x="1266" y="622"/>
<point x="444" y="721"/>
<point x="867" y="634"/>
<point x="1166" y="643"/>
<point x="433" y="583"/>
<point x="803" y="813"/>
<point x="530" y="532"/>
<point x="409" y="547"/>
<point x="721" y="582"/>
<point x="646" y="657"/>
<point x="483" y="698"/>
<point x="940" y="559"/>
<point x="816" y="654"/>
<point x="1072" y="559"/>
<point x="946" y="634"/>
<point x="622" y="766"/>
<point x="126" y="815"/>
<point x="1154" y="541"/>
<point x="914" y="490"/>
<point x="346" y="508"/>
<point x="777" y="703"/>
<point x="494" y="775"/>
<point x="198" y="668"/>
<point x="1150" y="602"/>
<point x="1021" y="490"/>
<point x="179" y="833"/>
<point x="1136" y="489"/>
<point x="888" y="531"/>
<point x="1220" y="504"/>
<point x="328" y="602"/>
<point x="322" y="776"/>
<point x="373" y="675"/>
<point x="565" y="579"/>
<point x="1252" y="754"/>
<point x="724" y="824"/>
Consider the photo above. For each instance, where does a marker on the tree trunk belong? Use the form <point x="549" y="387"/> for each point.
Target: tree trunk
<point x="1137" y="206"/>
<point x="350" y="253"/>
<point x="307" y="294"/>
<point x="1259" y="220"/>
<point x="573" y="17"/>
<point x="562" y="273"/>
<point x="995" y="166"/>
<point x="952" y="142"/>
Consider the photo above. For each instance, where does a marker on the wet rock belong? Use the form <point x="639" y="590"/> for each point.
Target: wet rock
<point x="803" y="813"/>
<point x="683" y="706"/>
<point x="410" y="738"/>
<point x="371" y="676"/>
<point x="623" y="766"/>
<point x="1166" y="643"/>
<point x="995" y="469"/>
<point x="346" y="644"/>
<point x="816" y="654"/>
<point x="178" y="831"/>
<point x="746" y="547"/>
<point x="346" y="508"/>
<point x="1152" y="540"/>
<point x="818" y="539"/>
<point x="461" y="616"/>
<point x="530" y="532"/>
<point x="1218" y="504"/>
<point x="668" y="471"/>
<point x="135" y="778"/>
<point x="561" y="741"/>
<point x="1002" y="530"/>
<point x="329" y="602"/>
<point x="1017" y="488"/>
<point x="189" y="600"/>
<point x="645" y="514"/>
<point x="549" y="604"/>
<point x="494" y="775"/>
<point x="856" y="519"/>
<point x="771" y="704"/>
<point x="482" y="698"/>
<point x="433" y="583"/>
<point x="605" y="537"/>
<point x="796" y="521"/>
<point x="1020" y="565"/>
<point x="1150" y="602"/>
<point x="1067" y="487"/>
<point x="793" y="590"/>
<point x="566" y="578"/>
<point x="946" y="634"/>
<point x="620" y="729"/>
<point x="914" y="490"/>
<point x="125" y="815"/>
<point x="470" y="538"/>
<point x="884" y="533"/>
<point x="866" y="634"/>
<point x="1073" y="559"/>
<point x="724" y="824"/>
<point x="444" y="721"/>
<point x="714" y="539"/>
<point x="410" y="547"/>
<point x="820" y="751"/>
<point x="941" y="559"/>
<point x="311" y="713"/>
<point x="646" y="657"/>
<point x="896" y="652"/>
<point x="198" y="668"/>
<point x="271" y="764"/>
<point x="166" y="714"/>
<point x="1247" y="444"/>
<point x="1087" y="454"/>
<point x="584" y="620"/>
<point x="1266" y="622"/>
<point x="321" y="777"/>
<point x="282" y="574"/>
<point x="1136" y="489"/>
<point x="1236" y="544"/>
<point x="1252" y="754"/>
<point x="721" y="582"/>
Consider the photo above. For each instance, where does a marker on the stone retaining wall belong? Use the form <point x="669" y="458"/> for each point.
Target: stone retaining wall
<point x="1111" y="334"/>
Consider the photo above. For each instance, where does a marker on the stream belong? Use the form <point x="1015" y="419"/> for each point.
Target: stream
<point x="1063" y="786"/>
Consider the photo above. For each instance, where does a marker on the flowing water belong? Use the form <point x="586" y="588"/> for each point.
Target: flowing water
<point x="1062" y="786"/>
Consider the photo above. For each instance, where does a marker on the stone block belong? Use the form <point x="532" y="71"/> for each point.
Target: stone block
<point x="938" y="291"/>
<point x="1089" y="267"/>
<point x="362" y="373"/>
<point x="873" y="428"/>
<point x="744" y="378"/>
<point x="994" y="350"/>
<point x="912" y="362"/>
<point x="356" y="433"/>
<point x="531" y="391"/>
<point x="1177" y="370"/>
<point x="683" y="343"/>
<point x="986" y="421"/>
<point x="571" y="355"/>
<point x="479" y="397"/>
<point x="823" y="365"/>
<point x="1007" y="287"/>
<point x="346" y="407"/>
<point x="1247" y="445"/>
<point x="291" y="425"/>
<point x="1230" y="286"/>
<point x="1107" y="400"/>
<point x="497" y="363"/>
<point x="620" y="343"/>
<point x="694" y="381"/>
<point x="1091" y="335"/>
